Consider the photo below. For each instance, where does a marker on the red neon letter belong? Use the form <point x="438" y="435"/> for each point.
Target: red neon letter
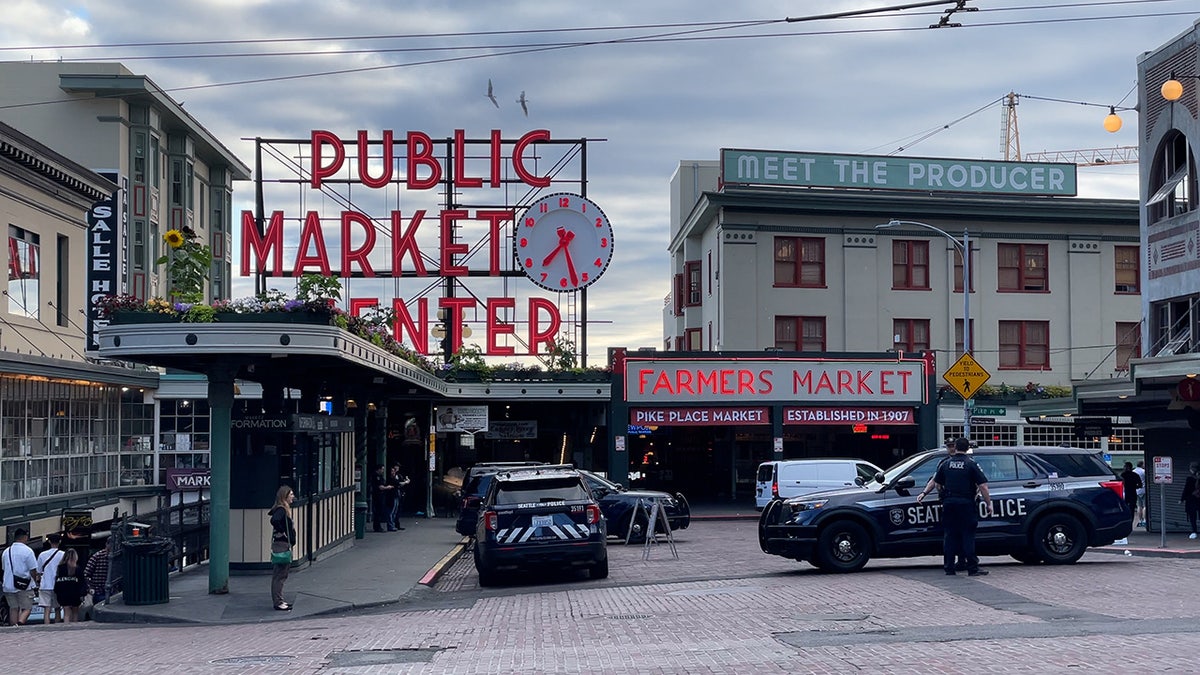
<point x="357" y="305"/>
<point x="358" y="255"/>
<point x="494" y="219"/>
<point x="419" y="332"/>
<point x="518" y="158"/>
<point x="455" y="320"/>
<point x="420" y="153"/>
<point x="311" y="233"/>
<point x="449" y="248"/>
<point x="496" y="327"/>
<point x="495" y="158"/>
<point x="318" y="170"/>
<point x="406" y="242"/>
<point x="537" y="336"/>
<point x="270" y="244"/>
<point x="364" y="154"/>
<point x="460" y="162"/>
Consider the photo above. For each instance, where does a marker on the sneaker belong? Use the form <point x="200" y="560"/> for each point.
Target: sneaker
<point x="1192" y="535"/>
<point x="977" y="573"/>
<point x="950" y="573"/>
<point x="1141" y="523"/>
<point x="960" y="567"/>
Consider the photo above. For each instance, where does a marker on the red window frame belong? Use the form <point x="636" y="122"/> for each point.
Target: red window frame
<point x="911" y="332"/>
<point x="1127" y="270"/>
<point x="799" y="262"/>
<point x="691" y="275"/>
<point x="958" y="271"/>
<point x="800" y="333"/>
<point x="910" y="265"/>
<point x="1024" y="345"/>
<point x="692" y="340"/>
<point x="678" y="294"/>
<point x="1022" y="268"/>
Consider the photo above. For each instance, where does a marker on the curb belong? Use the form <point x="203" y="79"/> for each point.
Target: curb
<point x="1143" y="552"/>
<point x="723" y="517"/>
<point x="444" y="564"/>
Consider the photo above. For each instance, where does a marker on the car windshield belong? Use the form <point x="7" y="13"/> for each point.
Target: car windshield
<point x="596" y="480"/>
<point x="903" y="468"/>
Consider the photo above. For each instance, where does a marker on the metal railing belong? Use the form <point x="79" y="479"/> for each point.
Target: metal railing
<point x="185" y="524"/>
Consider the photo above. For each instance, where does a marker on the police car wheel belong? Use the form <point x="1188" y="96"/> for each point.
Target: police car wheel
<point x="843" y="547"/>
<point x="1059" y="539"/>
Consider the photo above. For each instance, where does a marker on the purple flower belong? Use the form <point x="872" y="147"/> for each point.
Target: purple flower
<point x="293" y="305"/>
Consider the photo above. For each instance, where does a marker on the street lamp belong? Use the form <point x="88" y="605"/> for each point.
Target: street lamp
<point x="1172" y="89"/>
<point x="964" y="248"/>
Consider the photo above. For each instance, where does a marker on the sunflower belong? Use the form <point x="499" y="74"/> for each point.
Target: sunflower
<point x="174" y="238"/>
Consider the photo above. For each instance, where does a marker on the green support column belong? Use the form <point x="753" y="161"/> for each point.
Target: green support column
<point x="220" y="403"/>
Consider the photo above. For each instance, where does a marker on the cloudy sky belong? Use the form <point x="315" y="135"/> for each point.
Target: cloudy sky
<point x="662" y="82"/>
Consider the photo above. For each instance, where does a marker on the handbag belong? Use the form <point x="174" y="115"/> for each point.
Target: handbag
<point x="19" y="582"/>
<point x="282" y="557"/>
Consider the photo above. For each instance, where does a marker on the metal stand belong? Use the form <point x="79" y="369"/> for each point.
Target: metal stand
<point x="654" y="516"/>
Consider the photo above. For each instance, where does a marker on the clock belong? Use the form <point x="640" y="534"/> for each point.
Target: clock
<point x="563" y="242"/>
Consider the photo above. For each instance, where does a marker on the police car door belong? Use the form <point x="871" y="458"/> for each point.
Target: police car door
<point x="907" y="523"/>
<point x="1009" y="482"/>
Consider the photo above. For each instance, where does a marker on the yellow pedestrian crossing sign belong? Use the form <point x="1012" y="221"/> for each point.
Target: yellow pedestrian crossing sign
<point x="966" y="376"/>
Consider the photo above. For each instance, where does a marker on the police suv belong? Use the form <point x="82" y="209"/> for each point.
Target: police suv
<point x="1050" y="504"/>
<point x="544" y="518"/>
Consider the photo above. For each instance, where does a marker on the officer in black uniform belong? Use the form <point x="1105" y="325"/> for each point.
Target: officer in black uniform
<point x="959" y="479"/>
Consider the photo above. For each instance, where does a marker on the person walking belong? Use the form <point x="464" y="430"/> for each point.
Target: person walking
<point x="283" y="538"/>
<point x="1140" y="470"/>
<point x="20" y="571"/>
<point x="398" y="481"/>
<point x="47" y="565"/>
<point x="69" y="586"/>
<point x="95" y="573"/>
<point x="383" y="491"/>
<point x="1131" y="484"/>
<point x="1191" y="496"/>
<point x="959" y="479"/>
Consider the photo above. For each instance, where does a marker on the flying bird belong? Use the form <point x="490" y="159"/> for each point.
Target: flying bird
<point x="492" y="96"/>
<point x="523" y="101"/>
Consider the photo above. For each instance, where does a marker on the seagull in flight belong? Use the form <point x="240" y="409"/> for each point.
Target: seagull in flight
<point x="492" y="96"/>
<point x="523" y="101"/>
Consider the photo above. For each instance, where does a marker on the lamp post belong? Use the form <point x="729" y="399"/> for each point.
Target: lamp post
<point x="964" y="248"/>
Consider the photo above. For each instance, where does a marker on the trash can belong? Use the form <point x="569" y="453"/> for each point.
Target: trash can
<point x="145" y="570"/>
<point x="360" y="520"/>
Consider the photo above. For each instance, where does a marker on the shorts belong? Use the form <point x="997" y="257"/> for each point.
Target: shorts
<point x="46" y="598"/>
<point x="20" y="600"/>
<point x="1141" y="500"/>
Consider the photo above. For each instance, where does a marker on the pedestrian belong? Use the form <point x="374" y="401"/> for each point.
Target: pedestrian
<point x="959" y="479"/>
<point x="95" y="573"/>
<point x="383" y="499"/>
<point x="1191" y="496"/>
<point x="398" y="481"/>
<point x="47" y="565"/>
<point x="960" y="564"/>
<point x="20" y="572"/>
<point x="1132" y="483"/>
<point x="283" y="538"/>
<point x="69" y="586"/>
<point x="1140" y="469"/>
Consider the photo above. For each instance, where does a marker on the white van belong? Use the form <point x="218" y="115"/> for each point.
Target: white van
<point x="795" y="477"/>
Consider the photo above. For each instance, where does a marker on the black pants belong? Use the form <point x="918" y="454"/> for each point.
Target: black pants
<point x="1192" y="508"/>
<point x="959" y="520"/>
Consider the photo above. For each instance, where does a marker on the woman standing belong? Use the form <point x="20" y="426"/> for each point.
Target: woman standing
<point x="69" y="587"/>
<point x="1191" y="496"/>
<point x="283" y="538"/>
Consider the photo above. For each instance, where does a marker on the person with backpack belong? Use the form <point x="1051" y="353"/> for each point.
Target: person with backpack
<point x="20" y="571"/>
<point x="1191" y="496"/>
<point x="1132" y="483"/>
<point x="47" y="565"/>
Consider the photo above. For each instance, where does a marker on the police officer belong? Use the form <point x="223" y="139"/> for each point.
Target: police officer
<point x="959" y="479"/>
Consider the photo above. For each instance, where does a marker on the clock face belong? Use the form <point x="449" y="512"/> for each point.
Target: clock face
<point x="563" y="242"/>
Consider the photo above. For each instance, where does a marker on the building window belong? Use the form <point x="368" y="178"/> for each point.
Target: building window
<point x="62" y="289"/>
<point x="678" y="294"/>
<point x="958" y="336"/>
<point x="1022" y="267"/>
<point x="910" y="265"/>
<point x="800" y="262"/>
<point x="24" y="272"/>
<point x="710" y="274"/>
<point x="177" y="182"/>
<point x="691" y="272"/>
<point x="691" y="340"/>
<point x="1172" y="179"/>
<point x="911" y="335"/>
<point x="1025" y="345"/>
<point x="800" y="333"/>
<point x="958" y="271"/>
<point x="1128" y="272"/>
<point x="1129" y="343"/>
<point x="155" y="163"/>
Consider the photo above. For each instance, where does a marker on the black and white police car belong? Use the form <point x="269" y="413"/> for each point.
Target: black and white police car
<point x="1051" y="504"/>
<point x="539" y="518"/>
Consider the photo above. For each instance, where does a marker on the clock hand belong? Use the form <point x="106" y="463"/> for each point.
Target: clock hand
<point x="564" y="238"/>
<point x="550" y="258"/>
<point x="571" y="267"/>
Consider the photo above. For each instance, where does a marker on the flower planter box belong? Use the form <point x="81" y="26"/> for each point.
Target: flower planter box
<point x="126" y="316"/>
<point x="312" y="318"/>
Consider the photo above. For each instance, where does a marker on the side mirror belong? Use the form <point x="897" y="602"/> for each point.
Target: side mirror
<point x="905" y="483"/>
<point x="858" y="480"/>
<point x="879" y="477"/>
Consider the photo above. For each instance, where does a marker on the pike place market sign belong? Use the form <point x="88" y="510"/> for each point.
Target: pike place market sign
<point x="927" y="174"/>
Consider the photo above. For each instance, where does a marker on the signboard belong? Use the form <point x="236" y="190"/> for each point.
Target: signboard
<point x="698" y="417"/>
<point x="468" y="418"/>
<point x="995" y="412"/>
<point x="889" y="172"/>
<point x="183" y="480"/>
<point x="811" y="416"/>
<point x="1092" y="427"/>
<point x="724" y="381"/>
<point x="76" y="522"/>
<point x="512" y="429"/>
<point x="619" y="443"/>
<point x="966" y="376"/>
<point x="103" y="263"/>
<point x="1162" y="470"/>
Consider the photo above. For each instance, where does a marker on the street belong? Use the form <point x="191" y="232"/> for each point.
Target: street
<point x="723" y="606"/>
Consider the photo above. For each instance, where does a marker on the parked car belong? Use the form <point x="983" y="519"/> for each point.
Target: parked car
<point x="619" y="506"/>
<point x="783" y="479"/>
<point x="542" y="517"/>
<point x="1050" y="503"/>
<point x="475" y="485"/>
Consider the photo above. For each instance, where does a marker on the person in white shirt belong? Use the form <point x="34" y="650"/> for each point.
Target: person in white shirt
<point x="47" y="565"/>
<point x="18" y="561"/>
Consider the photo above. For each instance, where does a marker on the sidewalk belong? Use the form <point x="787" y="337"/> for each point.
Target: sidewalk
<point x="1149" y="544"/>
<point x="383" y="568"/>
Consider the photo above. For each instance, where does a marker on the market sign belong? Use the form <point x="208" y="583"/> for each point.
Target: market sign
<point x="462" y="418"/>
<point x="888" y="172"/>
<point x="512" y="429"/>
<point x="699" y="417"/>
<point x="857" y="415"/>
<point x="184" y="480"/>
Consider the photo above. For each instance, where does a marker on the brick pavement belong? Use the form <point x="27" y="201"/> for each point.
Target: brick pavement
<point x="724" y="607"/>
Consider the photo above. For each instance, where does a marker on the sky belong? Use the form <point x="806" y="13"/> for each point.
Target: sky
<point x="662" y="82"/>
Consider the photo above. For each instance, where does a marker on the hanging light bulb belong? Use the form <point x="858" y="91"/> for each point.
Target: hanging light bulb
<point x="1172" y="89"/>
<point x="1112" y="123"/>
